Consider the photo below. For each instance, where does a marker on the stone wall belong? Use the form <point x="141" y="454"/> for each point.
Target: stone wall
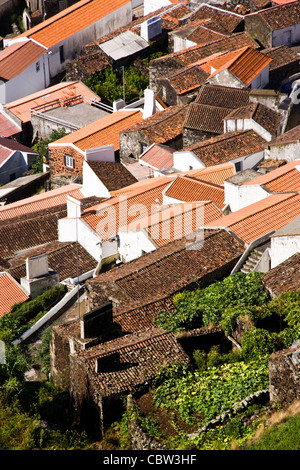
<point x="193" y="136"/>
<point x="161" y="68"/>
<point x="60" y="359"/>
<point x="57" y="161"/>
<point x="258" y="31"/>
<point x="284" y="375"/>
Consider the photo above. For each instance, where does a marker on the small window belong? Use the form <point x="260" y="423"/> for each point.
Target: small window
<point x="238" y="166"/>
<point x="37" y="67"/>
<point x="61" y="54"/>
<point x="69" y="161"/>
<point x="190" y="167"/>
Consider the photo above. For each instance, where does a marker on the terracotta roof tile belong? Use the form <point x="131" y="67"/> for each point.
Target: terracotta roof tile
<point x="245" y="64"/>
<point x="188" y="189"/>
<point x="262" y="217"/>
<point x="264" y="116"/>
<point x="223" y="96"/>
<point x="281" y="56"/>
<point x="21" y="107"/>
<point x="113" y="175"/>
<point x="158" y="156"/>
<point x="167" y="270"/>
<point x="216" y="174"/>
<point x="284" y="179"/>
<point x="39" y="202"/>
<point x="187" y="78"/>
<point x="284" y="277"/>
<point x="107" y="218"/>
<point x="280" y="16"/>
<point x="206" y="118"/>
<point x="162" y="126"/>
<point x="202" y="34"/>
<point x="17" y="57"/>
<point x="293" y="135"/>
<point x="194" y="53"/>
<point x="175" y="222"/>
<point x="60" y="258"/>
<point x="229" y="20"/>
<point x="141" y="356"/>
<point x="138" y="316"/>
<point x="8" y="128"/>
<point x="10" y="292"/>
<point x="71" y="20"/>
<point x="32" y="229"/>
<point x="104" y="131"/>
<point x="228" y="146"/>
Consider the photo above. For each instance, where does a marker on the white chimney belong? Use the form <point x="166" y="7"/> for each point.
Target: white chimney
<point x="74" y="207"/>
<point x="149" y="103"/>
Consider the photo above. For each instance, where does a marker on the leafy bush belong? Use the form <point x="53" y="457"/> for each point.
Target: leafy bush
<point x="13" y="324"/>
<point x="205" y="307"/>
<point x="108" y="84"/>
<point x="258" y="342"/>
<point x="200" y="396"/>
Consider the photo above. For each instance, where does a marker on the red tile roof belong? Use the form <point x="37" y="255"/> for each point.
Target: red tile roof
<point x="21" y="107"/>
<point x="279" y="16"/>
<point x="10" y="293"/>
<point x="8" y="128"/>
<point x="266" y="117"/>
<point x="104" y="131"/>
<point x="71" y="20"/>
<point x="284" y="277"/>
<point x="229" y="20"/>
<point x="17" y="57"/>
<point x="41" y="201"/>
<point x="120" y="211"/>
<point x="262" y="217"/>
<point x="158" y="156"/>
<point x="228" y="146"/>
<point x="216" y="174"/>
<point x="188" y="189"/>
<point x="284" y="179"/>
<point x="176" y="222"/>
<point x="245" y="64"/>
<point x="141" y="355"/>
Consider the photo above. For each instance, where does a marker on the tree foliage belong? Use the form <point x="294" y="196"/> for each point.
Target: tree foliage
<point x="204" y="307"/>
<point x="108" y="84"/>
<point x="41" y="148"/>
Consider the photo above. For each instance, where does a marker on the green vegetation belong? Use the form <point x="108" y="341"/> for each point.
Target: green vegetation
<point x="25" y="406"/>
<point x="218" y="380"/>
<point x="205" y="307"/>
<point x="108" y="84"/>
<point x="41" y="148"/>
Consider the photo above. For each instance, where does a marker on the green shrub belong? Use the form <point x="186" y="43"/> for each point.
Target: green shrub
<point x="205" y="307"/>
<point x="258" y="342"/>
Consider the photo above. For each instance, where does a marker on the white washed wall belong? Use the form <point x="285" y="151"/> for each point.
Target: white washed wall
<point x="282" y="248"/>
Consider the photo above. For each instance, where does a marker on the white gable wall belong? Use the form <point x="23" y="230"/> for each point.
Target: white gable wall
<point x="133" y="244"/>
<point x="288" y="152"/>
<point x="92" y="185"/>
<point x="186" y="160"/>
<point x="33" y="79"/>
<point x="245" y="124"/>
<point x="283" y="247"/>
<point x="239" y="196"/>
